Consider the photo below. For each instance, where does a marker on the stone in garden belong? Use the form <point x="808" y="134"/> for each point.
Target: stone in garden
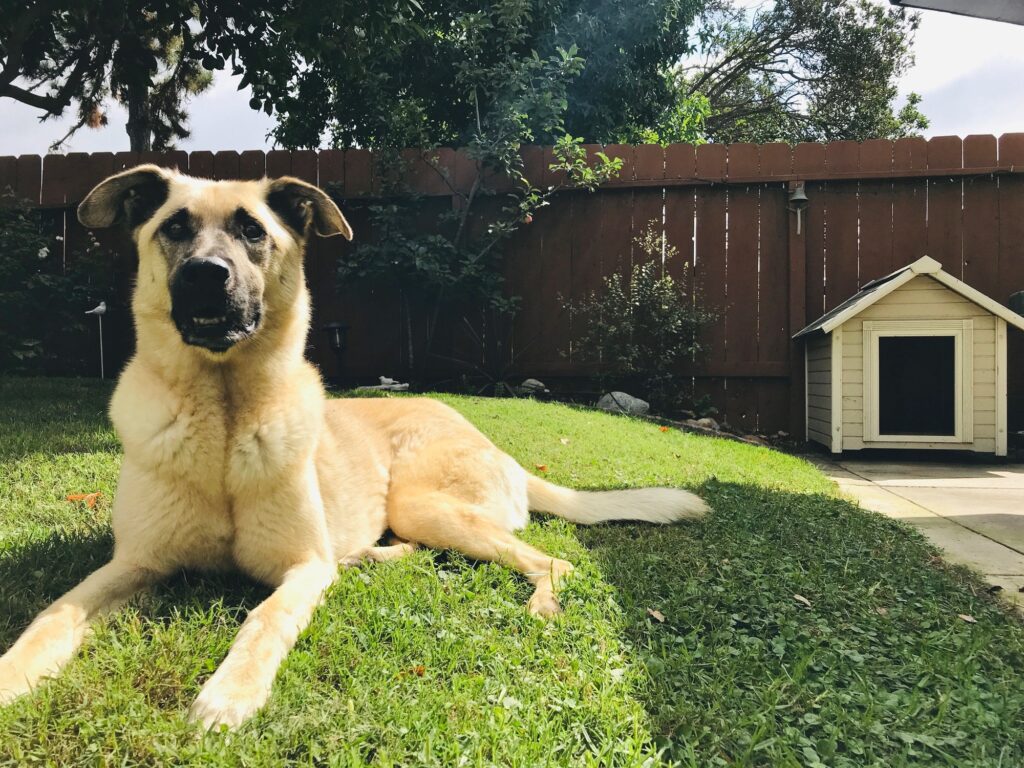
<point x="706" y="423"/>
<point x="620" y="402"/>
<point x="532" y="387"/>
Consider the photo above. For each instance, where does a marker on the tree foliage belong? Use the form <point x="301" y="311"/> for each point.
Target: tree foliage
<point x="76" y="55"/>
<point x="802" y="70"/>
<point x="398" y="73"/>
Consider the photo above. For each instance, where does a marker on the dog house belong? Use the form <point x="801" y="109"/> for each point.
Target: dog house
<point x="916" y="359"/>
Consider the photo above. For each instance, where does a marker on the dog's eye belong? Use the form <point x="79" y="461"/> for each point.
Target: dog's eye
<point x="252" y="231"/>
<point x="176" y="230"/>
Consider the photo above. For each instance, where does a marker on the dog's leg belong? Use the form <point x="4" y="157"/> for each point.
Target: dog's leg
<point x="446" y="522"/>
<point x="52" y="639"/>
<point x="390" y="552"/>
<point x="242" y="683"/>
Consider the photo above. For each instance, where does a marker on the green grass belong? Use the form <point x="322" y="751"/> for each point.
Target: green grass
<point x="432" y="660"/>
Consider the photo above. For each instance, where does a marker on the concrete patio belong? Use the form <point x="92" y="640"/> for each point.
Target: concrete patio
<point x="975" y="512"/>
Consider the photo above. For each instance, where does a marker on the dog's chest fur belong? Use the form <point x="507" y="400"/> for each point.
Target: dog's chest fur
<point x="208" y="454"/>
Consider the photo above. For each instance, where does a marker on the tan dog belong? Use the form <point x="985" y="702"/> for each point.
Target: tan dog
<point x="235" y="459"/>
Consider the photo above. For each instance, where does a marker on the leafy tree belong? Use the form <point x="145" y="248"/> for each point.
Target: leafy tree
<point x="150" y="57"/>
<point x="802" y="70"/>
<point x="401" y="74"/>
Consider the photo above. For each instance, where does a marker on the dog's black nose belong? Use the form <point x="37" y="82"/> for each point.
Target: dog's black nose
<point x="206" y="275"/>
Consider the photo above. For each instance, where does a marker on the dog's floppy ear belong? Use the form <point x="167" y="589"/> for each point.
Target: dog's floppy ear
<point x="131" y="196"/>
<point x="299" y="204"/>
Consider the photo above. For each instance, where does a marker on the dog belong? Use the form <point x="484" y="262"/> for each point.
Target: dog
<point x="235" y="458"/>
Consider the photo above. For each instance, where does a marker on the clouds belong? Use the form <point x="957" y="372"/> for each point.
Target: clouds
<point x="220" y="119"/>
<point x="970" y="74"/>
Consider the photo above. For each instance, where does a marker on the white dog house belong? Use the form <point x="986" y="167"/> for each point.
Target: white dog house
<point x="916" y="359"/>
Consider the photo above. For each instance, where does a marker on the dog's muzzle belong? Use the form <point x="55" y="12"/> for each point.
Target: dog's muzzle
<point x="208" y="307"/>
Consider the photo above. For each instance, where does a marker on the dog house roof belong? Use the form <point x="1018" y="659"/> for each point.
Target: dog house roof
<point x="883" y="286"/>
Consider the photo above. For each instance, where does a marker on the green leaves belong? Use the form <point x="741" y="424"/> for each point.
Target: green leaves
<point x="643" y="324"/>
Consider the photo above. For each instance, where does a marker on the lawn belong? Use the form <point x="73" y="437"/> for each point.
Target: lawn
<point x="433" y="660"/>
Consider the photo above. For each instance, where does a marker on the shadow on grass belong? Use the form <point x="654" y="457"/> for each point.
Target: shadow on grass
<point x="37" y="571"/>
<point x="799" y="629"/>
<point x="54" y="416"/>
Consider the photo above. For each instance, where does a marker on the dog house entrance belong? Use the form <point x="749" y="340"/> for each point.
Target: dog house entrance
<point x="917" y="385"/>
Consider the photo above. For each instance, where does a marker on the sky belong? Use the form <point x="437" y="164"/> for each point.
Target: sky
<point x="969" y="72"/>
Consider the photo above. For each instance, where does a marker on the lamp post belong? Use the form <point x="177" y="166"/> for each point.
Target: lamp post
<point x="100" y="310"/>
<point x="337" y="337"/>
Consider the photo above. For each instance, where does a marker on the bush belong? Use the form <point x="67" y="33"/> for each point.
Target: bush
<point x="43" y="296"/>
<point x="644" y="325"/>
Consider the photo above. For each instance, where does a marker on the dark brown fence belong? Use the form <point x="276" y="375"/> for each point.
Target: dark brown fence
<point x="873" y="207"/>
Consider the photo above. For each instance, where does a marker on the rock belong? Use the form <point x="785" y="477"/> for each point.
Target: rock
<point x="755" y="439"/>
<point x="532" y="387"/>
<point x="386" y="385"/>
<point x="620" y="402"/>
<point x="706" y="423"/>
<point x="781" y="434"/>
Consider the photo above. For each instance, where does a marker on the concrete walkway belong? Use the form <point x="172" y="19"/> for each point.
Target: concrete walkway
<point x="975" y="512"/>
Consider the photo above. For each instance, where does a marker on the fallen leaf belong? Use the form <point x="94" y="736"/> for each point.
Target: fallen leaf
<point x="563" y="440"/>
<point x="657" y="615"/>
<point x="803" y="601"/>
<point x="542" y="467"/>
<point x="88" y="498"/>
<point x="882" y="611"/>
<point x="967" y="617"/>
<point x="419" y="670"/>
<point x="663" y="429"/>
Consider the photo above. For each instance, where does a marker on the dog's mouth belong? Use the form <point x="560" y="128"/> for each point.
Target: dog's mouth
<point x="216" y="332"/>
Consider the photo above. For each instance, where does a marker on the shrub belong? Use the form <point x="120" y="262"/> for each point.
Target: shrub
<point x="43" y="296"/>
<point x="643" y="325"/>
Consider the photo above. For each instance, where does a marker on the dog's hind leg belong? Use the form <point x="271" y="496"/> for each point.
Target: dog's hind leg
<point x="390" y="552"/>
<point x="441" y="520"/>
<point x="52" y="638"/>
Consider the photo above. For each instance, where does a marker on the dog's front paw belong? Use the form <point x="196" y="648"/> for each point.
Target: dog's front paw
<point x="226" y="704"/>
<point x="13" y="681"/>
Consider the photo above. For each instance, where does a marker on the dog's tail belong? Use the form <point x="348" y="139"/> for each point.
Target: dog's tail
<point x="653" y="505"/>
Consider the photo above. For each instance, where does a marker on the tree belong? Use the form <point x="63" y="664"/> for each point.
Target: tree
<point x="490" y="77"/>
<point x="396" y="72"/>
<point x="58" y="56"/>
<point x="802" y="70"/>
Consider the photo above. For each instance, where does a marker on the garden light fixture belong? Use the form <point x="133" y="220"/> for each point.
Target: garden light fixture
<point x="100" y="310"/>
<point x="797" y="201"/>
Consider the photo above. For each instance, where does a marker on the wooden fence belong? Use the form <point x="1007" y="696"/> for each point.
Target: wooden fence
<point x="872" y="207"/>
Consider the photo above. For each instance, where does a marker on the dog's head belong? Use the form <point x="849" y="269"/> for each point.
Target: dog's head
<point x="216" y="258"/>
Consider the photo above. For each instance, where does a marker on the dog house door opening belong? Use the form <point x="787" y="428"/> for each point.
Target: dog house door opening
<point x="917" y="385"/>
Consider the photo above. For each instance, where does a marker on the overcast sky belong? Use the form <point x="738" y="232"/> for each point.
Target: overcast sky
<point x="969" y="72"/>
